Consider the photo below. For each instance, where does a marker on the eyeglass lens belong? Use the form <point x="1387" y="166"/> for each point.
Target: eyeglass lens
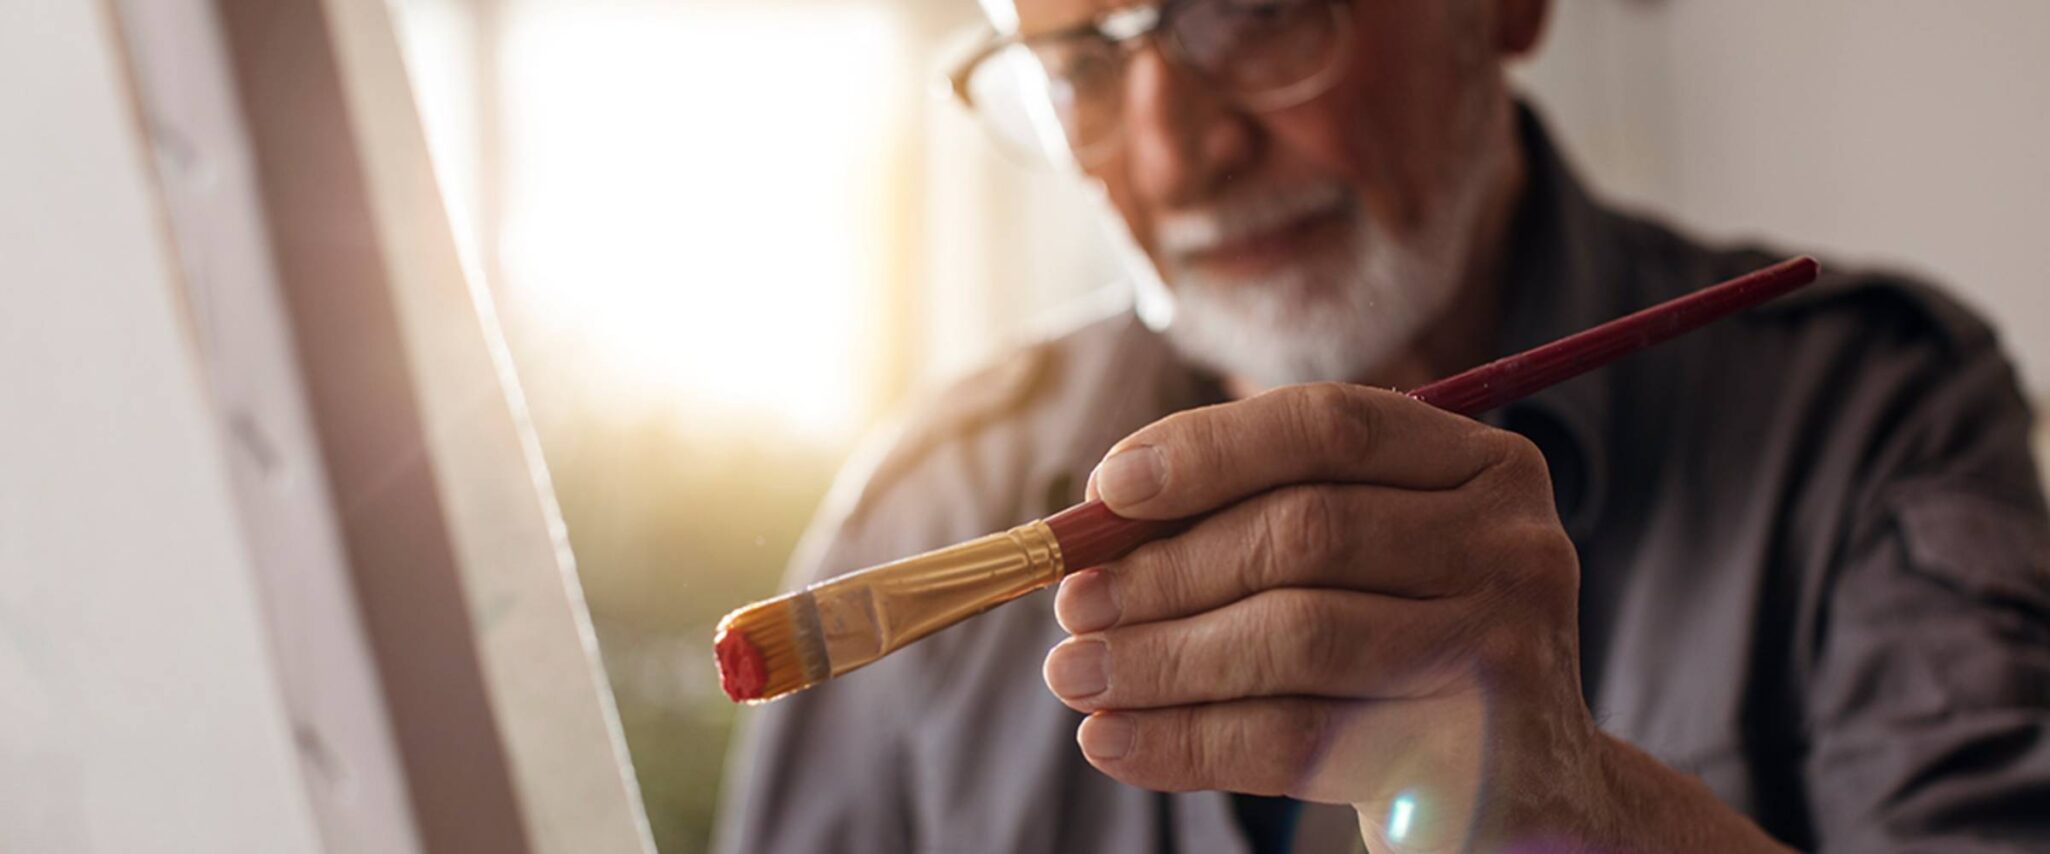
<point x="1257" y="51"/>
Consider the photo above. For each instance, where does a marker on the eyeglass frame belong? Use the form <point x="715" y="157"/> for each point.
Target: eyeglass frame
<point x="1136" y="23"/>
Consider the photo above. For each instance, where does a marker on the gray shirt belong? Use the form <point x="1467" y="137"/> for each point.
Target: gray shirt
<point x="1815" y="570"/>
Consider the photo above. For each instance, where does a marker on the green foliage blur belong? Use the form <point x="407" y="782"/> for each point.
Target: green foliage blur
<point x="674" y="521"/>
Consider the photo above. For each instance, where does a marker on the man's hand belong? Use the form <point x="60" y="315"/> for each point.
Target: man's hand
<point x="1379" y="610"/>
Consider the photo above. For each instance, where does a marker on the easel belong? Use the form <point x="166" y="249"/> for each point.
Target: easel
<point x="333" y="606"/>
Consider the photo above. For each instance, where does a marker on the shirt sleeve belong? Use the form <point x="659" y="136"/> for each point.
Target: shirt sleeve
<point x="1929" y="702"/>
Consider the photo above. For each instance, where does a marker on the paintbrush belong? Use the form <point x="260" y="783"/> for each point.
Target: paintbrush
<point x="800" y="639"/>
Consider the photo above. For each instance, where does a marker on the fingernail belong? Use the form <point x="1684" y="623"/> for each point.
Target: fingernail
<point x="1106" y="736"/>
<point x="1130" y="476"/>
<point x="1078" y="669"/>
<point x="1087" y="602"/>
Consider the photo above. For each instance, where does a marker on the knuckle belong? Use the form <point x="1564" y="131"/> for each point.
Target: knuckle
<point x="1273" y="656"/>
<point x="1200" y="751"/>
<point x="1182" y="434"/>
<point x="1142" y="665"/>
<point x="1516" y="456"/>
<point x="1199" y="435"/>
<point x="1165" y="428"/>
<point x="1307" y="525"/>
<point x="1318" y="651"/>
<point x="1539" y="554"/>
<point x="1266" y="747"/>
<point x="1336" y="415"/>
<point x="1527" y="569"/>
<point x="1158" y="579"/>
<point x="1163" y="657"/>
<point x="1265" y="566"/>
<point x="1550" y="546"/>
<point x="1233" y="737"/>
<point x="1552" y="565"/>
<point x="1299" y="737"/>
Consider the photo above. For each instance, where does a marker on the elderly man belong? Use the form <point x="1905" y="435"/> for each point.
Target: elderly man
<point x="1783" y="582"/>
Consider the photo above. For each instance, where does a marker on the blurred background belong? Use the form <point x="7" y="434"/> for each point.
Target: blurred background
<point x="727" y="237"/>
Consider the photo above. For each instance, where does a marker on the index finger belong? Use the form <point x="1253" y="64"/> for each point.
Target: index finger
<point x="1197" y="461"/>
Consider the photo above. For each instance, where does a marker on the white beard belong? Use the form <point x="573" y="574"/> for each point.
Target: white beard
<point x="1333" y="317"/>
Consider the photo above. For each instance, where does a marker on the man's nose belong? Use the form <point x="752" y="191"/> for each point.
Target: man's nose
<point x="1184" y="137"/>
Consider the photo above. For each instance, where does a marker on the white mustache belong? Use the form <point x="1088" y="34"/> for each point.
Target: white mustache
<point x="1190" y="232"/>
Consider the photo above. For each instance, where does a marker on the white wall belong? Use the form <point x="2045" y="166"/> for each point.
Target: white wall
<point x="1910" y="134"/>
<point x="139" y="710"/>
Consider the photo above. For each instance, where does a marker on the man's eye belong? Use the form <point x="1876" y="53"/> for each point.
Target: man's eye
<point x="1082" y="69"/>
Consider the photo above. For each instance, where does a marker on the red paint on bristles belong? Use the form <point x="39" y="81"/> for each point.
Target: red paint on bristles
<point x="742" y="672"/>
<point x="1090" y="534"/>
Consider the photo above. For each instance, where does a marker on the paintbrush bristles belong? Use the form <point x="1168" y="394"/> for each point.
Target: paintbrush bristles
<point x="771" y="648"/>
<point x="800" y="639"/>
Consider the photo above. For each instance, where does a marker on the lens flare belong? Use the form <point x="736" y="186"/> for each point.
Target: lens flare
<point x="1400" y="815"/>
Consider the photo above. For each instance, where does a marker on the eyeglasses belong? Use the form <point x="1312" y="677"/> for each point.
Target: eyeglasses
<point x="1059" y="97"/>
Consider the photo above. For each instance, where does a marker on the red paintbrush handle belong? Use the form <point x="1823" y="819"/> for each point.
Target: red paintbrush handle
<point x="1510" y="378"/>
<point x="1091" y="535"/>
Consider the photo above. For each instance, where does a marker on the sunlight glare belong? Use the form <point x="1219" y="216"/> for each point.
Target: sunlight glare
<point x="700" y="194"/>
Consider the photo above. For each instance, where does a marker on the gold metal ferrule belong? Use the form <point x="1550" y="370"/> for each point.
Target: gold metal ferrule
<point x="866" y="615"/>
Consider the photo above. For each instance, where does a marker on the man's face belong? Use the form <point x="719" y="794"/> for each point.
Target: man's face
<point x="1312" y="241"/>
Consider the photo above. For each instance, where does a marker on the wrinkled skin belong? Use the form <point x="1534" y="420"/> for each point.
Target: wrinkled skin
<point x="1380" y="604"/>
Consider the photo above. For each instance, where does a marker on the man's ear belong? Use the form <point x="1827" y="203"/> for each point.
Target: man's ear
<point x="1519" y="24"/>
